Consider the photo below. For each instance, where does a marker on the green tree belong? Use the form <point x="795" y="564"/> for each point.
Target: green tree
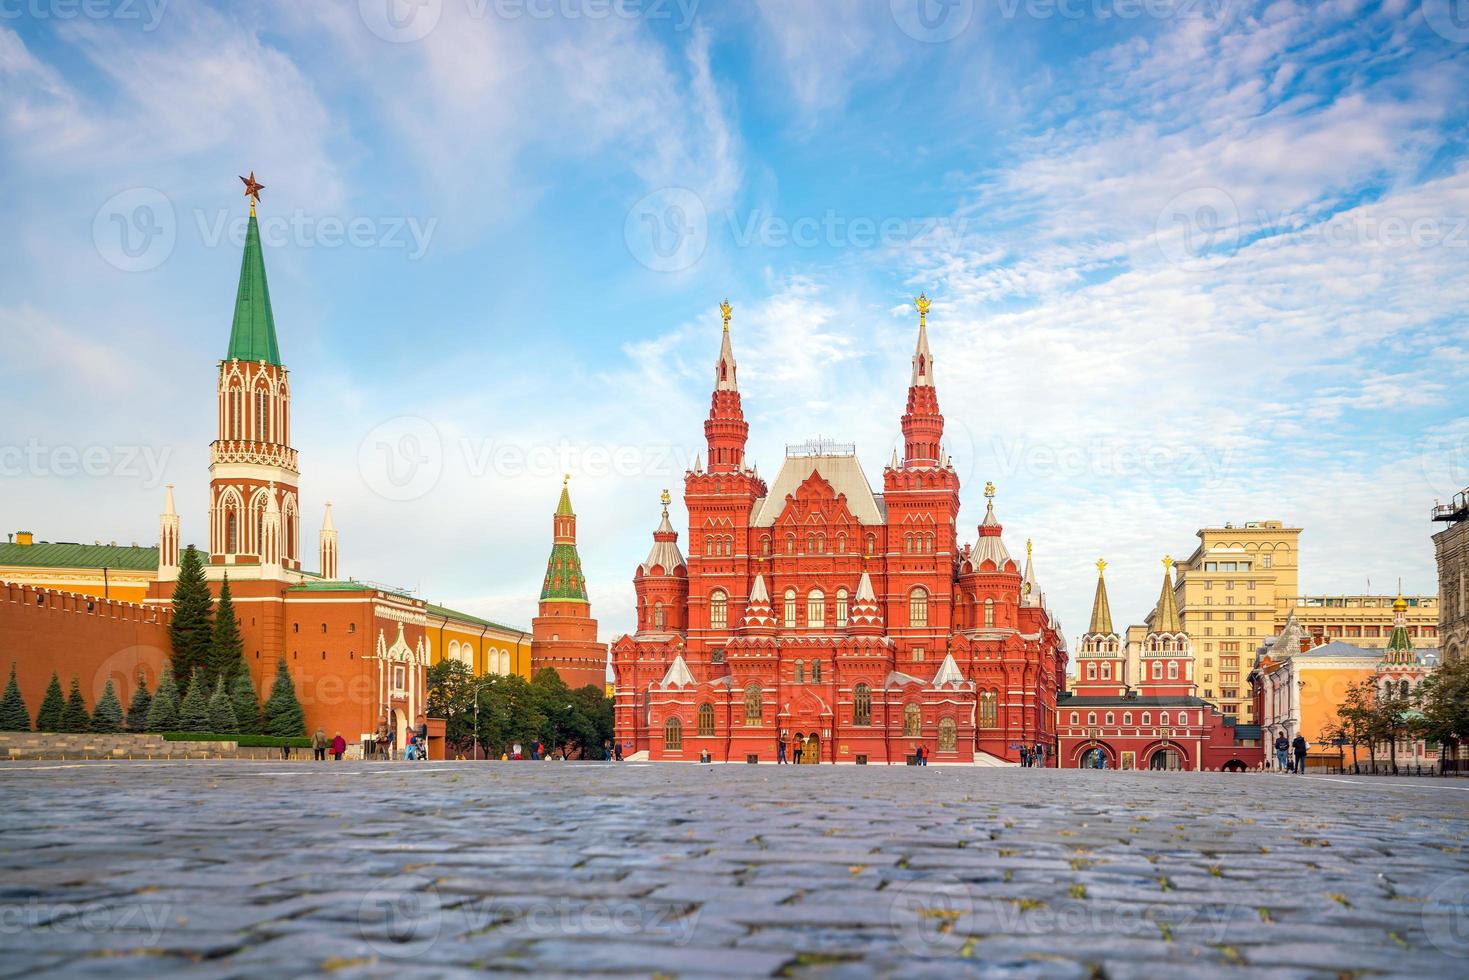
<point x="283" y="714"/>
<point x="194" y="708"/>
<point x="226" y="648"/>
<point x="594" y="709"/>
<point x="190" y="630"/>
<point x="108" y="716"/>
<point x="14" y="716"/>
<point x="75" y="717"/>
<point x="221" y="712"/>
<point x="245" y="702"/>
<point x="1355" y="719"/>
<point x="451" y="687"/>
<point x="138" y="707"/>
<point x="163" y="713"/>
<point x="53" y="706"/>
<point x="508" y="713"/>
<point x="1444" y="703"/>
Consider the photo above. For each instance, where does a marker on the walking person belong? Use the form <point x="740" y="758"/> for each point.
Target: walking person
<point x="318" y="745"/>
<point x="392" y="743"/>
<point x="780" y="749"/>
<point x="1300" y="746"/>
<point x="618" y="750"/>
<point x="1282" y="753"/>
<point x="339" y="747"/>
<point x="421" y="731"/>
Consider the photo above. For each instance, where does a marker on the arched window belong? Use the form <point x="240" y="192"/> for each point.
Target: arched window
<point x="709" y="544"/>
<point x="505" y="662"/>
<point x="872" y="544"/>
<point x="816" y="671"/>
<point x="1163" y="718"/>
<point x="1091" y="717"/>
<point x="1157" y="670"/>
<point x="947" y="735"/>
<point x="1106" y="671"/>
<point x="989" y="612"/>
<point x="811" y="543"/>
<point x="918" y="607"/>
<point x="262" y="415"/>
<point x="1403" y="688"/>
<point x="816" y="608"/>
<point x="754" y="709"/>
<point x="718" y="610"/>
<point x="841" y="544"/>
<point x="706" y="719"/>
<point x="1127" y="717"/>
<point x="790" y="608"/>
<point x="800" y="672"/>
<point x="1147" y="717"/>
<point x="658" y="615"/>
<point x="989" y="710"/>
<point x="790" y="544"/>
<point x="1075" y="718"/>
<point x="231" y="533"/>
<point x="1173" y="670"/>
<point x="862" y="705"/>
<point x="1091" y="670"/>
<point x="912" y="721"/>
<point x="841" y="609"/>
<point x="908" y="543"/>
<point x="1111" y="718"/>
<point x="764" y="544"/>
<point x="672" y="735"/>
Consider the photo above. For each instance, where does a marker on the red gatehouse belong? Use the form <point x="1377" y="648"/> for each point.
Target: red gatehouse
<point x="851" y="624"/>
<point x="1153" y="720"/>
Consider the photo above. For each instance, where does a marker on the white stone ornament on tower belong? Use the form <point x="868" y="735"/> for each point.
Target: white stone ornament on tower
<point x="328" y="545"/>
<point x="270" y="544"/>
<point x="168" y="539"/>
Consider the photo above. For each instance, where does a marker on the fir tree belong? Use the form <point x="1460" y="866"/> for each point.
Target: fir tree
<point x="53" y="705"/>
<point x="189" y="631"/>
<point x="194" y="709"/>
<point x="138" y="708"/>
<point x="75" y="717"/>
<point x="226" y="649"/>
<point x="163" y="713"/>
<point x="283" y="714"/>
<point x="108" y="716"/>
<point x="245" y="702"/>
<point x="221" y="712"/>
<point x="13" y="714"/>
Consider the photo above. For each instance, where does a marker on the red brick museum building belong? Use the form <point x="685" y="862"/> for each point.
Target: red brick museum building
<point x="854" y="622"/>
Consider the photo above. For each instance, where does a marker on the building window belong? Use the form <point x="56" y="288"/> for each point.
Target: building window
<point x="912" y="721"/>
<point x="658" y="615"/>
<point x="918" y="607"/>
<point x="989" y="710"/>
<point x="816" y="608"/>
<point x="1173" y="670"/>
<point x="764" y="544"/>
<point x="947" y="735"/>
<point x="1147" y="717"/>
<point x="1163" y="718"/>
<point x="672" y="735"/>
<point x="718" y="610"/>
<point x="1157" y="670"/>
<point x="800" y="674"/>
<point x="862" y="705"/>
<point x="231" y="534"/>
<point x="841" y="609"/>
<point x="816" y="671"/>
<point x="1075" y="718"/>
<point x="1106" y="671"/>
<point x="716" y="656"/>
<point x="1091" y="717"/>
<point x="872" y="544"/>
<point x="706" y="719"/>
<point x="1127" y="717"/>
<point x="754" y="710"/>
<point x="1111" y="718"/>
<point x="918" y="654"/>
<point x="1091" y="670"/>
<point x="790" y="608"/>
<point x="790" y="544"/>
<point x="262" y="416"/>
<point x="989" y="612"/>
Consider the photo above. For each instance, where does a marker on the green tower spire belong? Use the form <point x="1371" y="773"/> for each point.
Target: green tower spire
<point x="564" y="579"/>
<point x="252" y="335"/>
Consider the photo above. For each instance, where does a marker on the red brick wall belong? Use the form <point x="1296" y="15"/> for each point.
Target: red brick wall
<point x="43" y="630"/>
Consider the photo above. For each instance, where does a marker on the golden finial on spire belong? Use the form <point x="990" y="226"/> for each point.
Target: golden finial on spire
<point x="666" y="498"/>
<point x="1028" y="547"/>
<point x="989" y="490"/>
<point x="565" y="479"/>
<point x="1101" y="565"/>
<point x="1167" y="562"/>
<point x="253" y="188"/>
<point x="921" y="301"/>
<point x="726" y="311"/>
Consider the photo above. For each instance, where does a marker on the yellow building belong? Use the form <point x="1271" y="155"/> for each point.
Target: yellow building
<point x="484" y="646"/>
<point x="1240" y="586"/>
<point x="103" y="571"/>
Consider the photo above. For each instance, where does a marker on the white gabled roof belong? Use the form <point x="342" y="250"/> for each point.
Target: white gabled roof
<point x="845" y="475"/>
<point x="948" y="673"/>
<point x="678" y="674"/>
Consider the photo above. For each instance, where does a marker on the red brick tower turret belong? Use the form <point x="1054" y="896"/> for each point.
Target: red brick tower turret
<point x="564" y="635"/>
<point x="662" y="583"/>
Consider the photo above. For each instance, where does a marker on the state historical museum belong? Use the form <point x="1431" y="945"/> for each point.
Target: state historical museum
<point x="853" y="623"/>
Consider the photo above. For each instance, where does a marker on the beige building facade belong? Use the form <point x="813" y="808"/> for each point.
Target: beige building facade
<point x="1237" y="589"/>
<point x="1451" y="548"/>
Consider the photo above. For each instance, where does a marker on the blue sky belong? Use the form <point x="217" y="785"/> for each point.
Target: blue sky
<point x="1191" y="262"/>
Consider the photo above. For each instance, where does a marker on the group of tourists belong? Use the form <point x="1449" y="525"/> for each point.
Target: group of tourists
<point x="1033" y="756"/>
<point x="320" y="746"/>
<point x="1290" y="755"/>
<point x="803" y="748"/>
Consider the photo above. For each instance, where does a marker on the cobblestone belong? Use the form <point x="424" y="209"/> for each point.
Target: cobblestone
<point x="234" y="869"/>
